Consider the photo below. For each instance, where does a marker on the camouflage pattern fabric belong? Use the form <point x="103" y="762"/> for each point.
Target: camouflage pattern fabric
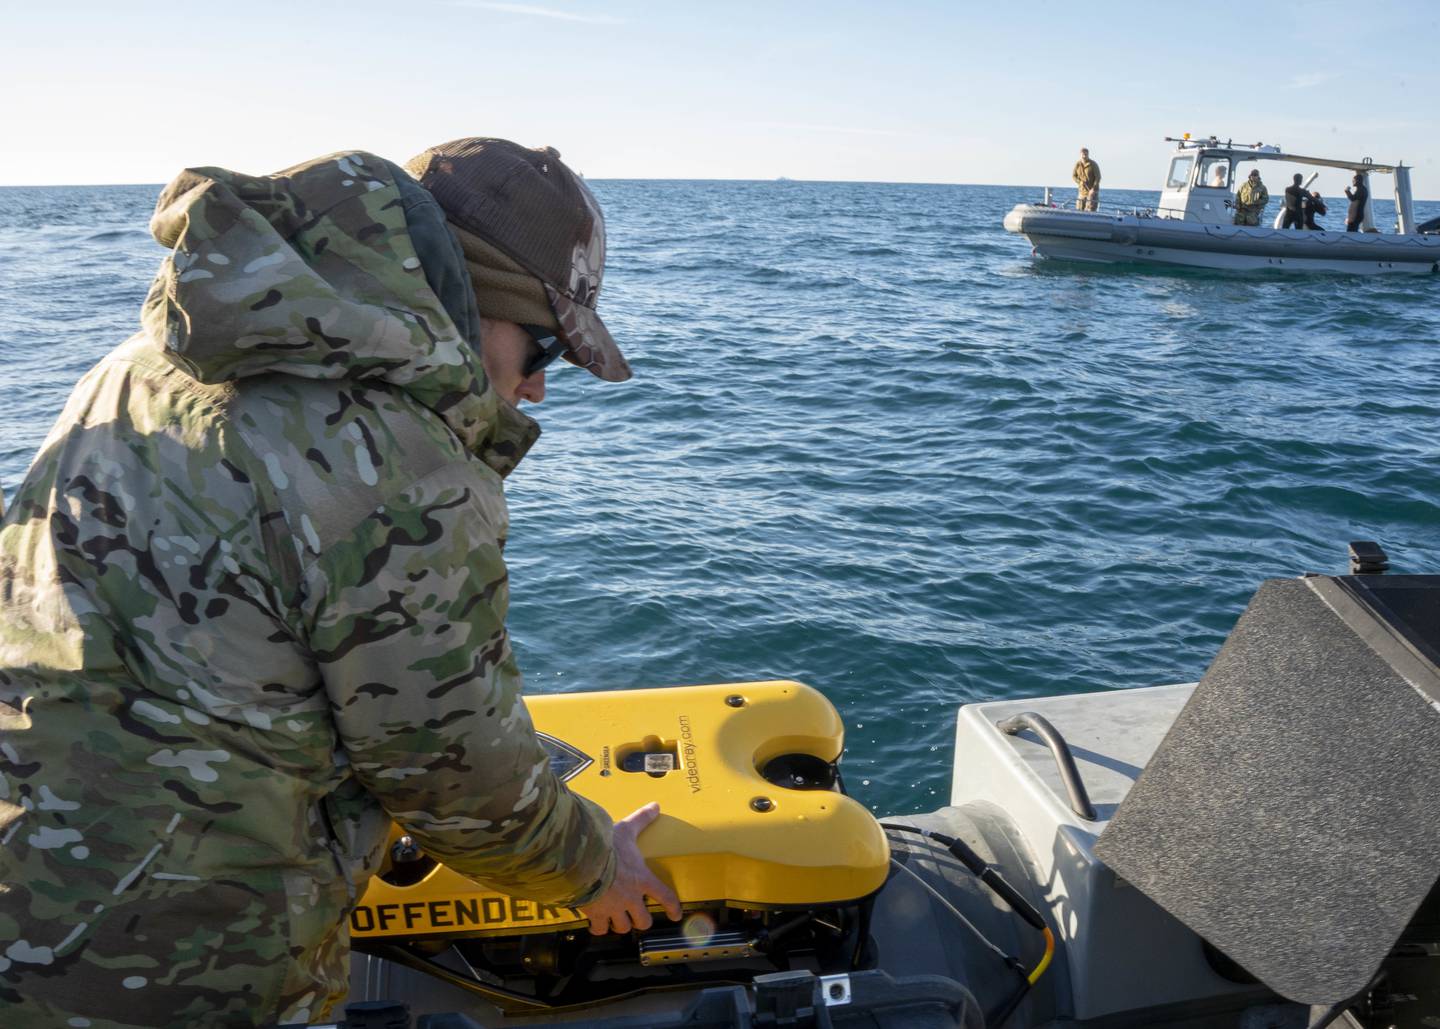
<point x="1250" y="202"/>
<point x="1086" y="175"/>
<point x="253" y="608"/>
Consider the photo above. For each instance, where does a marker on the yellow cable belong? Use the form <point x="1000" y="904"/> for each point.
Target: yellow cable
<point x="1045" y="960"/>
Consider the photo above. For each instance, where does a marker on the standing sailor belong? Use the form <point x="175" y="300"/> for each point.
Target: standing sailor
<point x="1358" y="198"/>
<point x="1087" y="182"/>
<point x="1295" y="197"/>
<point x="1252" y="200"/>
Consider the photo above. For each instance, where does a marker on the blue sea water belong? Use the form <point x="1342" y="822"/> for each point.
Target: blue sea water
<point x="873" y="445"/>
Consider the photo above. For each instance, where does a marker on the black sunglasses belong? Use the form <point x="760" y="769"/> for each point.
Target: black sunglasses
<point x="550" y="346"/>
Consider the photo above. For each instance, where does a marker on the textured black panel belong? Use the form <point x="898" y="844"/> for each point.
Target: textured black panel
<point x="1292" y="814"/>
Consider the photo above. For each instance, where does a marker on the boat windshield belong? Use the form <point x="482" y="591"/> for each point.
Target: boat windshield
<point x="1214" y="172"/>
<point x="1180" y="172"/>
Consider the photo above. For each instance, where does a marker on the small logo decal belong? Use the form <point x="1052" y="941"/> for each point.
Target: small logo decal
<point x="565" y="761"/>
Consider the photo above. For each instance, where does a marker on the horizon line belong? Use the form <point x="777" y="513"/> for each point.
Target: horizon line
<point x="644" y="178"/>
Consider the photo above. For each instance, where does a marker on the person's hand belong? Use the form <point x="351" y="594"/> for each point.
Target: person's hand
<point x="622" y="907"/>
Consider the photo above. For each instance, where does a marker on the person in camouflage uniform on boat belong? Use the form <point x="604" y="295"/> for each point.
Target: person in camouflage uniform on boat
<point x="254" y="601"/>
<point x="1086" y="176"/>
<point x="1251" y="200"/>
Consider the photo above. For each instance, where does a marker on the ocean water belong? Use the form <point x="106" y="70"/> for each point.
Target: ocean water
<point x="872" y="445"/>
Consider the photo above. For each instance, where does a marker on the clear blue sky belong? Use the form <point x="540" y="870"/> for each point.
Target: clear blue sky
<point x="917" y="92"/>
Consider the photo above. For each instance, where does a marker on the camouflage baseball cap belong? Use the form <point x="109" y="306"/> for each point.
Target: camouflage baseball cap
<point x="537" y="211"/>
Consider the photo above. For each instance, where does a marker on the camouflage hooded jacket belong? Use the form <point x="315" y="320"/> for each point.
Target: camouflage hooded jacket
<point x="252" y="607"/>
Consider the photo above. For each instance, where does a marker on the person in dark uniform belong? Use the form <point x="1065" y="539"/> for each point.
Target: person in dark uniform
<point x="1358" y="197"/>
<point x="1295" y="197"/>
<point x="1314" y="205"/>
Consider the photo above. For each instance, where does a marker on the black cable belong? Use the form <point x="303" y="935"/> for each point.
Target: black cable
<point x="997" y="883"/>
<point x="981" y="870"/>
<point x="1008" y="960"/>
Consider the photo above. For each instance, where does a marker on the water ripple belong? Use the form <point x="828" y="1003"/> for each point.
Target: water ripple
<point x="872" y="445"/>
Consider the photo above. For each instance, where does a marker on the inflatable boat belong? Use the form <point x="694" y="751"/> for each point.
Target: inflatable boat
<point x="1193" y="223"/>
<point x="1258" y="849"/>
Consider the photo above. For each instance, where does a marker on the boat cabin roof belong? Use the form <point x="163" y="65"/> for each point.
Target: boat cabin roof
<point x="1212" y="147"/>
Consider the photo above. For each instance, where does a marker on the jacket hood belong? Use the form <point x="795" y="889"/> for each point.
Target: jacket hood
<point x="315" y="272"/>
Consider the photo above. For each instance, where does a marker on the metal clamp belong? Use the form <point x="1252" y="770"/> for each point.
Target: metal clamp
<point x="669" y="947"/>
<point x="1064" y="760"/>
<point x="835" y="989"/>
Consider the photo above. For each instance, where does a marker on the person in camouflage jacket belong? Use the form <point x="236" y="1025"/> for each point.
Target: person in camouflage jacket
<point x="1086" y="176"/>
<point x="254" y="609"/>
<point x="1251" y="199"/>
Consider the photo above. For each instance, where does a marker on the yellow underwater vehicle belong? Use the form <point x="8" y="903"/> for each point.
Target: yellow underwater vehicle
<point x="1259" y="849"/>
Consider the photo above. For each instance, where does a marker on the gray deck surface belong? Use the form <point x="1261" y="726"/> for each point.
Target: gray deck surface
<point x="1112" y="736"/>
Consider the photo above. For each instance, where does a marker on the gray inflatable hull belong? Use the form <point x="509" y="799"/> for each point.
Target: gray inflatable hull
<point x="1095" y="237"/>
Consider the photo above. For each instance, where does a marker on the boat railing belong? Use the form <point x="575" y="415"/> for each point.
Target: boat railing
<point x="1134" y="211"/>
<point x="1064" y="760"/>
<point x="1177" y="214"/>
<point x="1111" y="210"/>
<point x="1181" y="214"/>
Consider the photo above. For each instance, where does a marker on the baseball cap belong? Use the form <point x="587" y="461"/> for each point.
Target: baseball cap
<point x="536" y="211"/>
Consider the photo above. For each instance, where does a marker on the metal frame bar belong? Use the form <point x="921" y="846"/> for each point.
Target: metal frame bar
<point x="1064" y="760"/>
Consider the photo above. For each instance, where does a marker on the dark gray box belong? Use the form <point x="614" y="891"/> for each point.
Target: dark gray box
<point x="1291" y="816"/>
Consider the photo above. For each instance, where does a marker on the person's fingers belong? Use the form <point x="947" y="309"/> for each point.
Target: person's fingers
<point x="637" y="820"/>
<point x="623" y="909"/>
<point x="668" y="898"/>
<point x="614" y="922"/>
